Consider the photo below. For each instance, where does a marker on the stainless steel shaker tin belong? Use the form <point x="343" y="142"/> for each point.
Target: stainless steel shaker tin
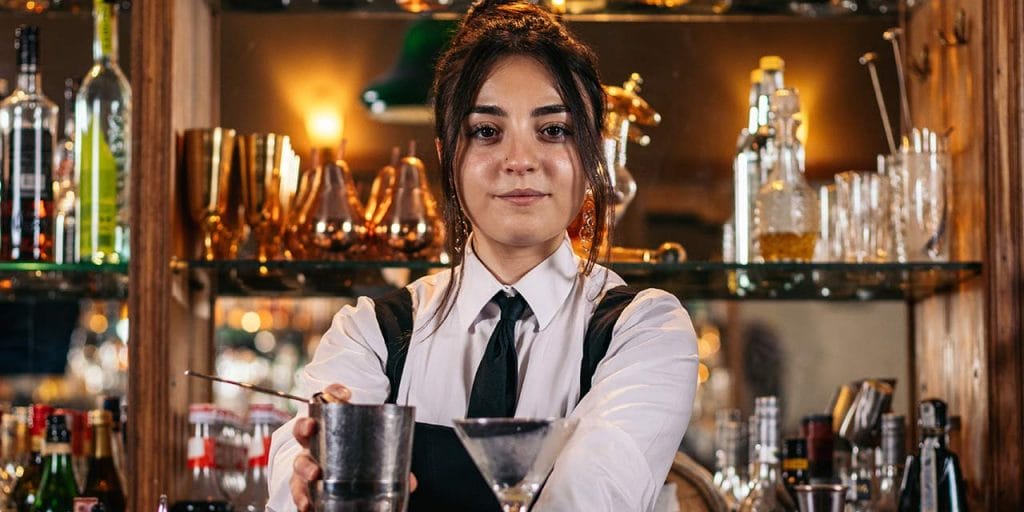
<point x="364" y="452"/>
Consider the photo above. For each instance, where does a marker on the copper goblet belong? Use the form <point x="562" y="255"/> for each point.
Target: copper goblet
<point x="267" y="167"/>
<point x="207" y="164"/>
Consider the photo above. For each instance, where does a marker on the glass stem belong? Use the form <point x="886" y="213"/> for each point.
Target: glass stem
<point x="515" y="506"/>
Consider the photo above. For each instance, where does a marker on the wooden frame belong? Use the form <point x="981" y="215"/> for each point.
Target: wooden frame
<point x="173" y="62"/>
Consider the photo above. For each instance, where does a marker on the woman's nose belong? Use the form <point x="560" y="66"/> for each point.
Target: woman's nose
<point x="520" y="157"/>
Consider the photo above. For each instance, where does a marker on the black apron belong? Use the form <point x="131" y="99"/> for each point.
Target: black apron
<point x="448" y="480"/>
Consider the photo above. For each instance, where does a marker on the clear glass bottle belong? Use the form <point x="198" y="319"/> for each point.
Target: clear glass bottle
<point x="64" y="193"/>
<point x="28" y="121"/>
<point x="786" y="211"/>
<point x="103" y="148"/>
<point x="861" y="494"/>
<point x="57" y="488"/>
<point x="204" y="491"/>
<point x="730" y="457"/>
<point x="934" y="480"/>
<point x="103" y="481"/>
<point x="254" y="498"/>
<point x="28" y="482"/>
<point x="890" y="469"/>
<point x="767" y="494"/>
<point x="746" y="178"/>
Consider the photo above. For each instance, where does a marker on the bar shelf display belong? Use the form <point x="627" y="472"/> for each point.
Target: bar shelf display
<point x="52" y="280"/>
<point x="692" y="280"/>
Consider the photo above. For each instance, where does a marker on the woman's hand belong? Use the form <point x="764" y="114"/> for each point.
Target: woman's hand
<point x="305" y="470"/>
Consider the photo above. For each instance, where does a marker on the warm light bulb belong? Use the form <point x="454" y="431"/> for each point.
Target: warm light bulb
<point x="324" y="128"/>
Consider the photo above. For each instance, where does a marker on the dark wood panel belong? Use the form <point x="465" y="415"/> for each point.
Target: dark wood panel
<point x="170" y="321"/>
<point x="1004" y="25"/>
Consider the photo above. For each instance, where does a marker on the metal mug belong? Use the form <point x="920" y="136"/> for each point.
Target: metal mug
<point x="820" y="497"/>
<point x="364" y="453"/>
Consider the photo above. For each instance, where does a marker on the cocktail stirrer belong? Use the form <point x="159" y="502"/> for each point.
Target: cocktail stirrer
<point x="868" y="59"/>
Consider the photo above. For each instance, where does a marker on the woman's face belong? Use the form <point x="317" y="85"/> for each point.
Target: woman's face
<point x="521" y="179"/>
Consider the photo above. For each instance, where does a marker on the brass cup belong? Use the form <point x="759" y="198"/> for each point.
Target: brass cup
<point x="207" y="165"/>
<point x="268" y="172"/>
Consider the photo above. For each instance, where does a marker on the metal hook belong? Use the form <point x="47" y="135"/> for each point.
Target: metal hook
<point x="959" y="31"/>
<point x="921" y="64"/>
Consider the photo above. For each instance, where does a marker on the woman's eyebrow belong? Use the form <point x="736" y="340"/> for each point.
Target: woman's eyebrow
<point x="548" y="110"/>
<point x="492" y="110"/>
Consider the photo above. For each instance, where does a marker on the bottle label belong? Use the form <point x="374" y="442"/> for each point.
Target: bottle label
<point x="929" y="476"/>
<point x="98" y="192"/>
<point x="796" y="464"/>
<point x="201" y="453"/>
<point x="57" y="449"/>
<point x="84" y="504"/>
<point x="259" y="452"/>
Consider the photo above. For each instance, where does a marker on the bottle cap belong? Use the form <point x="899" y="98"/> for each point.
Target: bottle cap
<point x="756" y="76"/>
<point x="772" y="63"/>
<point x="26" y="45"/>
<point x="57" y="427"/>
<point x="100" y="417"/>
<point x="932" y="414"/>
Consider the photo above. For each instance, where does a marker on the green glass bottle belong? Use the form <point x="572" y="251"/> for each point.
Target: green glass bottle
<point x="103" y="481"/>
<point x="103" y="148"/>
<point x="57" y="490"/>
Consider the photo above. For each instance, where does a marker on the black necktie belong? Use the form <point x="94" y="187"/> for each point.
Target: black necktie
<point x="497" y="377"/>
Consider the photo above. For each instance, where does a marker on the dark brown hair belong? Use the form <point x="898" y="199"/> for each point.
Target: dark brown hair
<point x="490" y="31"/>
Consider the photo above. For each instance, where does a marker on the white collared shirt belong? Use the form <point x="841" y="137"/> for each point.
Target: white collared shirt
<point x="631" y="421"/>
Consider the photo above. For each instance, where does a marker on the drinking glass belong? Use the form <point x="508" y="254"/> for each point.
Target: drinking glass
<point x="514" y="455"/>
<point x="863" y="223"/>
<point x="920" y="207"/>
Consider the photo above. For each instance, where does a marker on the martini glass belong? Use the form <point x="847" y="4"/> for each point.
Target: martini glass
<point x="514" y="455"/>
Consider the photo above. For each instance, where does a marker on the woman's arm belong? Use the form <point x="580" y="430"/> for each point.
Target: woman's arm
<point x="633" y="419"/>
<point x="352" y="353"/>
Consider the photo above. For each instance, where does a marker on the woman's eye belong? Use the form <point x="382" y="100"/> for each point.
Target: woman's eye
<point x="555" y="132"/>
<point x="484" y="132"/>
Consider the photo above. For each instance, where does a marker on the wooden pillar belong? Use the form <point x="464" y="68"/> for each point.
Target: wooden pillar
<point x="172" y="71"/>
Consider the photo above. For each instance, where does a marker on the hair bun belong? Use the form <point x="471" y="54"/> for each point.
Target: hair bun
<point x="480" y="6"/>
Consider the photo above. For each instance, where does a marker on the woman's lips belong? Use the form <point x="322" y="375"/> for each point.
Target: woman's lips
<point x="522" y="196"/>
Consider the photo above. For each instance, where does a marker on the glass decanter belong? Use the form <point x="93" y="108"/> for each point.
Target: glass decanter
<point x="786" y="210"/>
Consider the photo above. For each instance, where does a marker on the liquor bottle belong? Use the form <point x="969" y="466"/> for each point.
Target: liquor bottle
<point x="786" y="212"/>
<point x="25" y="490"/>
<point x="81" y="445"/>
<point x="254" y="497"/>
<point x="103" y="481"/>
<point x="204" y="491"/>
<point x="817" y="430"/>
<point x="746" y="178"/>
<point x="890" y="469"/>
<point x="861" y="495"/>
<point x="933" y="481"/>
<point x="767" y="494"/>
<point x="113" y="405"/>
<point x="730" y="454"/>
<point x="772" y="79"/>
<point x="64" y="193"/>
<point x="57" y="489"/>
<point x="794" y="464"/>
<point x="103" y="148"/>
<point x="28" y="121"/>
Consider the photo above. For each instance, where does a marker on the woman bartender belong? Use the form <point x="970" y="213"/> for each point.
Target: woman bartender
<point x="520" y="325"/>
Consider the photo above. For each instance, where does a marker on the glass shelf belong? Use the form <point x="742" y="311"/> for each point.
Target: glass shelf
<point x="689" y="280"/>
<point x="616" y="12"/>
<point x="20" y="280"/>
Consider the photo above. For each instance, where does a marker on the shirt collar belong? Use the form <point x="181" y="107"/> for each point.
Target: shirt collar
<point x="544" y="287"/>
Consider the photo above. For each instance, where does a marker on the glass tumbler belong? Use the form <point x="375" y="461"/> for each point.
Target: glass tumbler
<point x="863" y="223"/>
<point x="920" y="207"/>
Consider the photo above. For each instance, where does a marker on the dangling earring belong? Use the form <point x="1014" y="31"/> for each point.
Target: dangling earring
<point x="584" y="225"/>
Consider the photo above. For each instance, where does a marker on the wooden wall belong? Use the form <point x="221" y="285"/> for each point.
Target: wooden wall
<point x="967" y="343"/>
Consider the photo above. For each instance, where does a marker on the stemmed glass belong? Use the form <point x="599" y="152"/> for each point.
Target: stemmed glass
<point x="514" y="455"/>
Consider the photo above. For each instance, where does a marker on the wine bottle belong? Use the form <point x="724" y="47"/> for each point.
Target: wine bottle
<point x="57" y="488"/>
<point x="103" y="148"/>
<point x="102" y="481"/>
